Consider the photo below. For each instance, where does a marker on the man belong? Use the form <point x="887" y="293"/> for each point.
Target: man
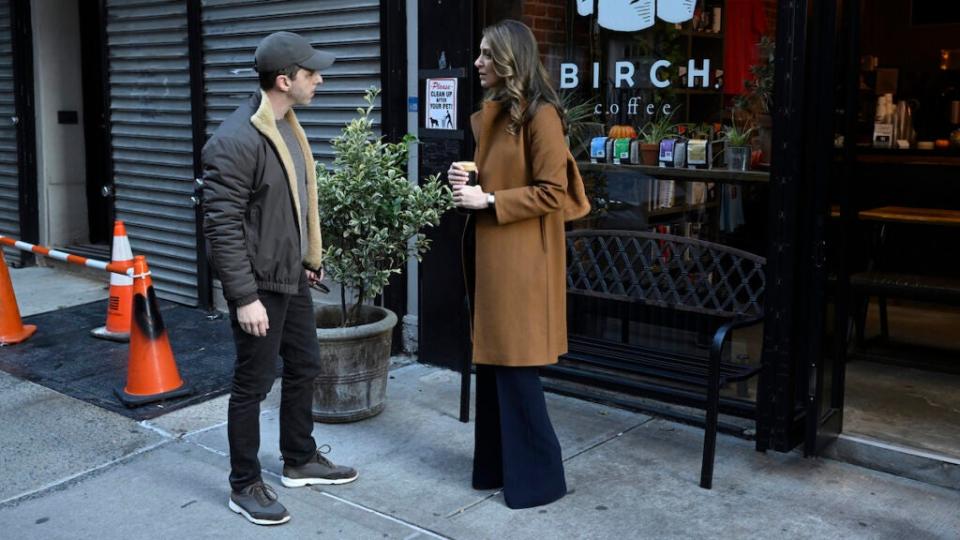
<point x="263" y="233"/>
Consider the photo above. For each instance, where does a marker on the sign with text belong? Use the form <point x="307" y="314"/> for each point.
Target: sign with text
<point x="441" y="112"/>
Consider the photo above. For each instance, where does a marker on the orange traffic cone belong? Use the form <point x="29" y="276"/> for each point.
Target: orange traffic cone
<point x="152" y="373"/>
<point x="121" y="290"/>
<point x="12" y="329"/>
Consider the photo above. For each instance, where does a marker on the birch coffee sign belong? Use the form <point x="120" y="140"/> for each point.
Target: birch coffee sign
<point x="635" y="16"/>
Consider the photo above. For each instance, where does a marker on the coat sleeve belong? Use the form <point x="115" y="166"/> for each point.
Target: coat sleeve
<point x="228" y="170"/>
<point x="548" y="159"/>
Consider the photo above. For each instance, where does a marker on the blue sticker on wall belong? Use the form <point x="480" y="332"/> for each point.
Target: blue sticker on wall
<point x="413" y="104"/>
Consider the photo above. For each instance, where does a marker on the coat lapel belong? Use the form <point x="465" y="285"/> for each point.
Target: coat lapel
<point x="265" y="122"/>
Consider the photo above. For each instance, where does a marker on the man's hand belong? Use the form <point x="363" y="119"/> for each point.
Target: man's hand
<point x="253" y="319"/>
<point x="313" y="277"/>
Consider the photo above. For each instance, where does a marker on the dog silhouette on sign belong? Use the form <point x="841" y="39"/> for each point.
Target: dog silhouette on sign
<point x="434" y="124"/>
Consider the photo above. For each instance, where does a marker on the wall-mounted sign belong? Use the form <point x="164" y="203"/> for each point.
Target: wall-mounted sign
<point x="441" y="111"/>
<point x="635" y="15"/>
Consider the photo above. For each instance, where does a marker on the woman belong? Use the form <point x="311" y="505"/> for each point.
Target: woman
<point x="519" y="307"/>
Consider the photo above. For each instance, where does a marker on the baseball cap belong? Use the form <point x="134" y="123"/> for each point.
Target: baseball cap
<point x="283" y="49"/>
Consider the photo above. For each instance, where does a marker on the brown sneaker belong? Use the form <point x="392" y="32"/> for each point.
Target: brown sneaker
<point x="258" y="503"/>
<point x="319" y="470"/>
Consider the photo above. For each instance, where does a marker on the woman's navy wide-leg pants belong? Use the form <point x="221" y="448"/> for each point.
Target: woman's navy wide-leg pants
<point x="516" y="446"/>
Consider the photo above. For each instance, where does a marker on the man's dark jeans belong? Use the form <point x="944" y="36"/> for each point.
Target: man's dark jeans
<point x="292" y="336"/>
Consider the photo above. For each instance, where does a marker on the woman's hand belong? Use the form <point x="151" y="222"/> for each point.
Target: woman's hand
<point x="471" y="197"/>
<point x="457" y="176"/>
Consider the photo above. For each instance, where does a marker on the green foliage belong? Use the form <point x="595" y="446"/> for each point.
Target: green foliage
<point x="659" y="128"/>
<point x="581" y="126"/>
<point x="370" y="214"/>
<point x="737" y="135"/>
<point x="760" y="88"/>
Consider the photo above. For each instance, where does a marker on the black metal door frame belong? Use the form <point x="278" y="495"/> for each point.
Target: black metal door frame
<point x="824" y="417"/>
<point x="779" y="413"/>
<point x="198" y="113"/>
<point x="22" y="39"/>
<point x="444" y="336"/>
<point x="393" y="82"/>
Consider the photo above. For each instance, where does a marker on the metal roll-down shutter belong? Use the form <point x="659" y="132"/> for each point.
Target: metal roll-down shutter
<point x="152" y="146"/>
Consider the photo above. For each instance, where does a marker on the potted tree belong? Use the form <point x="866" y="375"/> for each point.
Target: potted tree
<point x="371" y="218"/>
<point x="656" y="130"/>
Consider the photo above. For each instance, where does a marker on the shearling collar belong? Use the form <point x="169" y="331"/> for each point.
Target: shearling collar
<point x="264" y="121"/>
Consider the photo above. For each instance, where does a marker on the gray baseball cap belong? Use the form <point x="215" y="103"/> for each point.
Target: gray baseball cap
<point x="283" y="49"/>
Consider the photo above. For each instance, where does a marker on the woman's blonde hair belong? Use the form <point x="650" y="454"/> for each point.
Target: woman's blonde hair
<point x="525" y="82"/>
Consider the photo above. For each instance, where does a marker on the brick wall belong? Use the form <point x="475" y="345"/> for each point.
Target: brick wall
<point x="548" y="20"/>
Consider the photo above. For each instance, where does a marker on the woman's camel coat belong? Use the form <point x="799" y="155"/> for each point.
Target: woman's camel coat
<point x="520" y="304"/>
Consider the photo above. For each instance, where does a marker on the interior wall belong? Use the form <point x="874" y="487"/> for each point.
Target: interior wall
<point x="60" y="146"/>
<point x="889" y="34"/>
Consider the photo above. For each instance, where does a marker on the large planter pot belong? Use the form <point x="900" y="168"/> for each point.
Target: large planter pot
<point x="649" y="153"/>
<point x="354" y="361"/>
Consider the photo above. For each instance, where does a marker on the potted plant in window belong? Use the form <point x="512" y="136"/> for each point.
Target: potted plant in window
<point x="581" y="125"/>
<point x="371" y="218"/>
<point x="656" y="130"/>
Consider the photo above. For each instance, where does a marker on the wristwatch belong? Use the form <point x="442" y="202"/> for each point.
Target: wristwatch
<point x="490" y="199"/>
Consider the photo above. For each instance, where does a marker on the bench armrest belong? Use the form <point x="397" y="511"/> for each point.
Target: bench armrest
<point x="722" y="333"/>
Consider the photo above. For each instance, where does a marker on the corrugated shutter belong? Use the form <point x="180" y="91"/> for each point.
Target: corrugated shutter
<point x="348" y="28"/>
<point x="152" y="138"/>
<point x="9" y="172"/>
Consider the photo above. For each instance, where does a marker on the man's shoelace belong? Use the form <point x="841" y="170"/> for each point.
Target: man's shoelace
<point x="319" y="455"/>
<point x="324" y="449"/>
<point x="263" y="493"/>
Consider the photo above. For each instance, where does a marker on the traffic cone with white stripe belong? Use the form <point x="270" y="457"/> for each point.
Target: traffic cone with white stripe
<point x="12" y="329"/>
<point x="152" y="373"/>
<point x="120" y="303"/>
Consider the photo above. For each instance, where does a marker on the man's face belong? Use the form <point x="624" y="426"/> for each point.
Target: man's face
<point x="303" y="85"/>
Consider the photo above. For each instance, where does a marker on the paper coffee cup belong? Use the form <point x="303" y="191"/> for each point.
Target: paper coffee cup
<point x="471" y="169"/>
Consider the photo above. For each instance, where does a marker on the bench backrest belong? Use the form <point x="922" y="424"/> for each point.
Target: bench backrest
<point x="663" y="270"/>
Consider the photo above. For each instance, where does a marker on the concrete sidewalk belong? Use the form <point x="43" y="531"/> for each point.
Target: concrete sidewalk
<point x="72" y="470"/>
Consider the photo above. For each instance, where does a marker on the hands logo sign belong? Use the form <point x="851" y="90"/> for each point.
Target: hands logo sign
<point x="634" y="15"/>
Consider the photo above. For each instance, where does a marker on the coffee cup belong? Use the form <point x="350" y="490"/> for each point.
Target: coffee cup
<point x="471" y="169"/>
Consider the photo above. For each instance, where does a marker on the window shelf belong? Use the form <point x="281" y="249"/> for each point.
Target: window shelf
<point x="670" y="173"/>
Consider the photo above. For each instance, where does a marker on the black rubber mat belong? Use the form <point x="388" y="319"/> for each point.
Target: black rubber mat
<point x="63" y="356"/>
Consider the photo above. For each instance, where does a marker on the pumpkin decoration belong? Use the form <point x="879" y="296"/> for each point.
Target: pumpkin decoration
<point x="623" y="131"/>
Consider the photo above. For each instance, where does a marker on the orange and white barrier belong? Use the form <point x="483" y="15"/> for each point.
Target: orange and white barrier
<point x="64" y="256"/>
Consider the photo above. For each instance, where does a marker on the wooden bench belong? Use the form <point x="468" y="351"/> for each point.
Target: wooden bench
<point x="675" y="273"/>
<point x="882" y="284"/>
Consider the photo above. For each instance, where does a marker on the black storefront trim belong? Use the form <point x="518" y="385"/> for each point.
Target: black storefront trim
<point x="198" y="122"/>
<point x="777" y="390"/>
<point x="393" y="81"/>
<point x="22" y="38"/>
